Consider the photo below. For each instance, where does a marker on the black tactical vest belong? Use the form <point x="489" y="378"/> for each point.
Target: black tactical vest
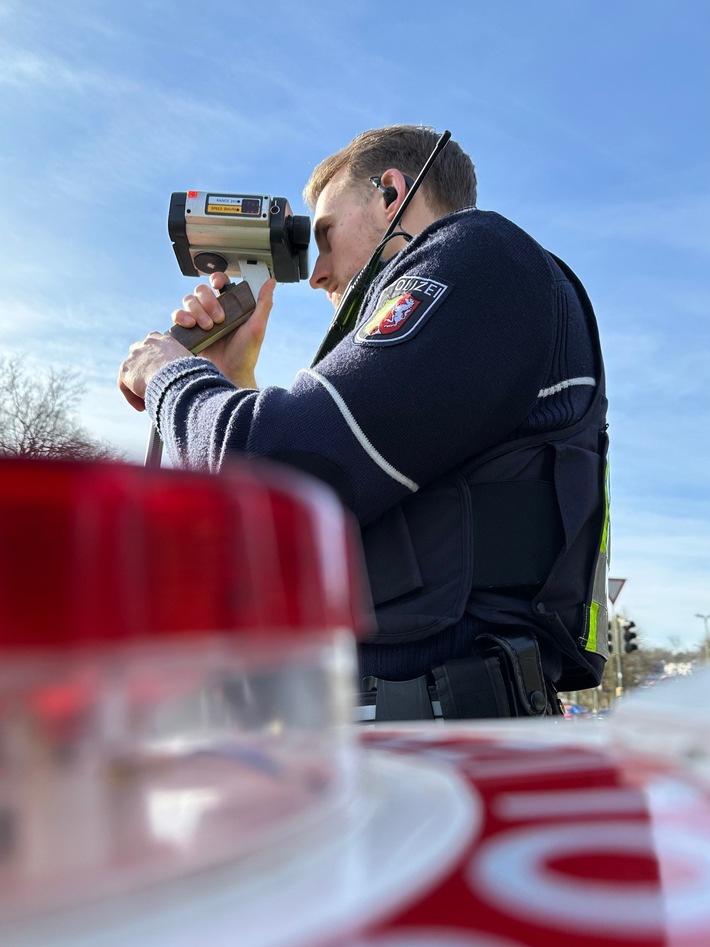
<point x="517" y="537"/>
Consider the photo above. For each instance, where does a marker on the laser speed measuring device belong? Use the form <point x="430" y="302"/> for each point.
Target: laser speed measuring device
<point x="251" y="236"/>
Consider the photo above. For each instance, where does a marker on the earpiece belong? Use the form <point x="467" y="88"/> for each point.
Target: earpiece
<point x="389" y="193"/>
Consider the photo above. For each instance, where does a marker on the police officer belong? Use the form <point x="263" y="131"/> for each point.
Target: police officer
<point x="463" y="420"/>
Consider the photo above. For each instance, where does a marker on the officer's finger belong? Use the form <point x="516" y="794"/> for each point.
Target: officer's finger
<point x="209" y="302"/>
<point x="192" y="305"/>
<point x="219" y="280"/>
<point x="258" y="321"/>
<point x="183" y="318"/>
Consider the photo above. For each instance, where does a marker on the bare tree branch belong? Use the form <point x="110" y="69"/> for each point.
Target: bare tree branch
<point x="38" y="415"/>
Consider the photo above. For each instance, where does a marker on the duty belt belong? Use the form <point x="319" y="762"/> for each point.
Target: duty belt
<point x="414" y="699"/>
<point x="502" y="678"/>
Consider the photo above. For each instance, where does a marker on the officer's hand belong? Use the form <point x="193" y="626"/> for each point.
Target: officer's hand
<point x="146" y="358"/>
<point x="237" y="353"/>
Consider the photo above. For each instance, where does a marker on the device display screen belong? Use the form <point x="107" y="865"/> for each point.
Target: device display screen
<point x="233" y="204"/>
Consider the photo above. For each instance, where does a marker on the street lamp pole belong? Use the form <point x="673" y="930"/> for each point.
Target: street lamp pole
<point x="705" y="619"/>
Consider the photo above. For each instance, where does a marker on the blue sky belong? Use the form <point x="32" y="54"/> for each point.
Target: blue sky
<point x="588" y="123"/>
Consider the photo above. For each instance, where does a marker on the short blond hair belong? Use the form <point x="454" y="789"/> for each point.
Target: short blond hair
<point x="449" y="185"/>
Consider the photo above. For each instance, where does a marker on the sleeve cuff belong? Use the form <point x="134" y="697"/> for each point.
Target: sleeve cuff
<point x="174" y="372"/>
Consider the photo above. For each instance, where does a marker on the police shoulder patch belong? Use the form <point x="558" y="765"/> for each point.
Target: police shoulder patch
<point x="401" y="310"/>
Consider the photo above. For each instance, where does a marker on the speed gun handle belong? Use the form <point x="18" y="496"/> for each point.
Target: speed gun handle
<point x="238" y="303"/>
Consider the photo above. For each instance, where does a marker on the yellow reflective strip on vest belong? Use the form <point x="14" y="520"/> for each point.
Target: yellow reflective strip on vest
<point x="597" y="611"/>
<point x="591" y="644"/>
<point x="605" y="530"/>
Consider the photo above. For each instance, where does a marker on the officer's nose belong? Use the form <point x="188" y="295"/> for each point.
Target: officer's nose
<point x="320" y="275"/>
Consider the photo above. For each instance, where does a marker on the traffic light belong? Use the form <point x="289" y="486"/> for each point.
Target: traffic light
<point x="610" y="638"/>
<point x="629" y="635"/>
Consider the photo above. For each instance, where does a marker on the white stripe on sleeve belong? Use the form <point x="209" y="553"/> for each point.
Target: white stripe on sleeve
<point x="560" y="386"/>
<point x="359" y="434"/>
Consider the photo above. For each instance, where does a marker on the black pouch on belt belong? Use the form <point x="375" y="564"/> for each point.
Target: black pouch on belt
<point x="502" y="678"/>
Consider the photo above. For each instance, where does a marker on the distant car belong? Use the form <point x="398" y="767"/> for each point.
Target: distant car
<point x="576" y="710"/>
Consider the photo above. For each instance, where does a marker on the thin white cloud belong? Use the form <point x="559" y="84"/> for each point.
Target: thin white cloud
<point x="30" y="73"/>
<point x="676" y="221"/>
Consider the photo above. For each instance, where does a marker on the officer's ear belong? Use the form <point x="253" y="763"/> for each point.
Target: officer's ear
<point x="394" y="186"/>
